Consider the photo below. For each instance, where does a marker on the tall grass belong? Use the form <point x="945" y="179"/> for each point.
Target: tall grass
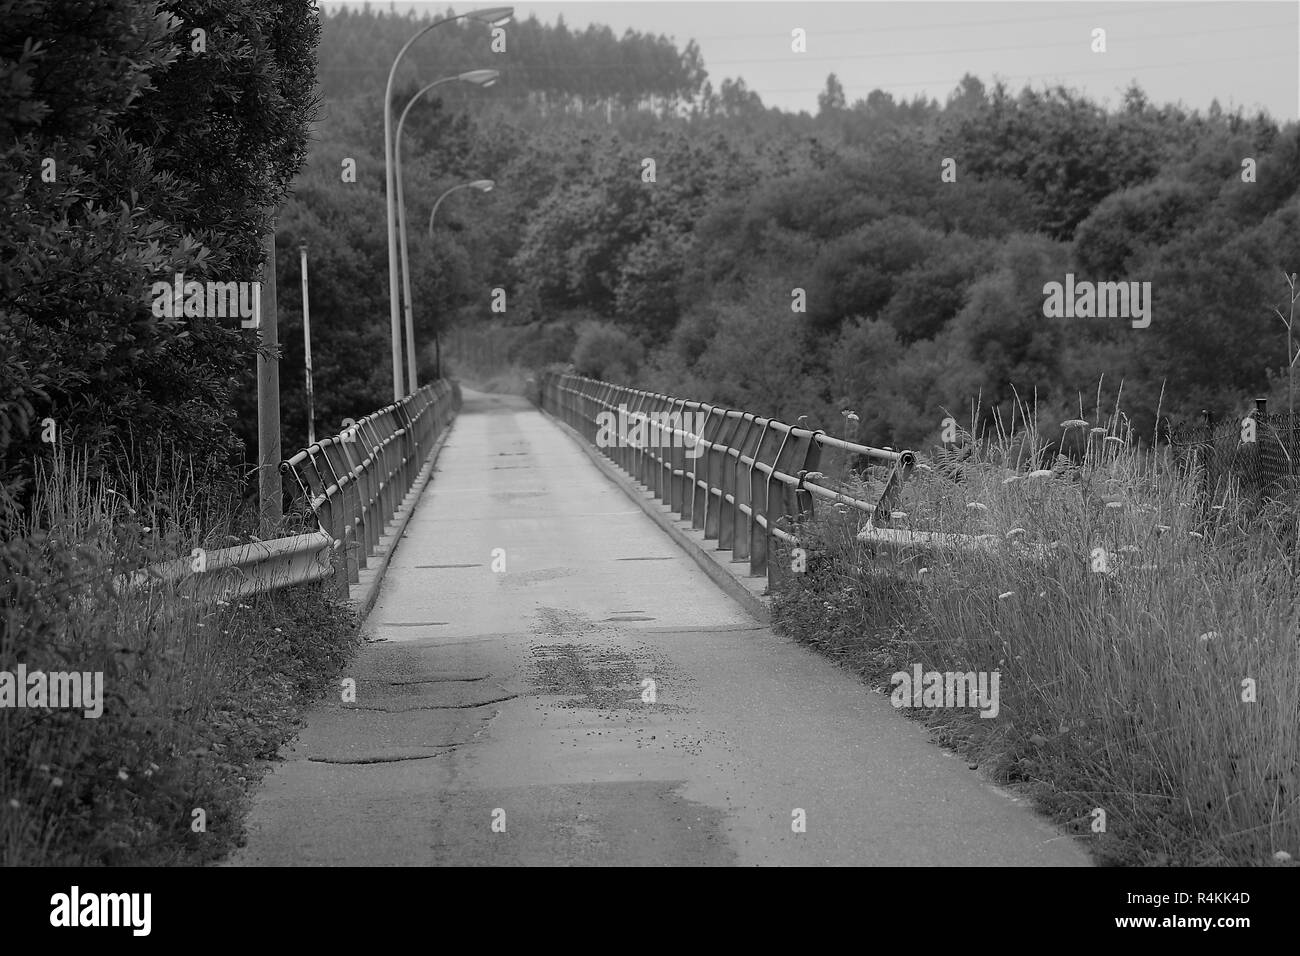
<point x="1131" y="623"/>
<point x="196" y="691"/>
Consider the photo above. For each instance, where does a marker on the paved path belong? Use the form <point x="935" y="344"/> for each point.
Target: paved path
<point x="516" y="697"/>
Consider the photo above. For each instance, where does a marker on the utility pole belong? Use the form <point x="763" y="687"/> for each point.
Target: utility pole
<point x="268" y="399"/>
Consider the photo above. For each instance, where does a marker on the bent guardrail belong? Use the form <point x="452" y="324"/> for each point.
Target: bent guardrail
<point x="751" y="474"/>
<point x="236" y="572"/>
<point x="354" y="482"/>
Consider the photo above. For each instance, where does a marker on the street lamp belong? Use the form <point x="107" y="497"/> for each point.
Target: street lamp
<point x="482" y="78"/>
<point x="493" y="16"/>
<point x="482" y="185"/>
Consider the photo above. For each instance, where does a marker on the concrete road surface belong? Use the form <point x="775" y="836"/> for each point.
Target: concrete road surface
<point x="500" y="719"/>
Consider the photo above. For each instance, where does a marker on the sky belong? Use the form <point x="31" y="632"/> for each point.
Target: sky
<point x="1243" y="52"/>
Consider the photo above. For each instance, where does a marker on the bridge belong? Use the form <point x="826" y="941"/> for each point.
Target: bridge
<point x="560" y="668"/>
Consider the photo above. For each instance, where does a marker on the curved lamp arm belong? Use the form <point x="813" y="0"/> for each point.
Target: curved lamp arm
<point x="483" y="185"/>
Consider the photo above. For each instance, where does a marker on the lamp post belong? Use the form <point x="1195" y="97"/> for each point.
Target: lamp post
<point x="493" y="16"/>
<point x="482" y="78"/>
<point x="482" y="185"/>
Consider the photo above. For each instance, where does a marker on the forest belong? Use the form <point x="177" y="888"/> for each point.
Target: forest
<point x="921" y="291"/>
<point x="884" y="256"/>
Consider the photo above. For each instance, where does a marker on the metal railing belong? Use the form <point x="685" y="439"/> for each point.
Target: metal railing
<point x="752" y="475"/>
<point x="243" y="570"/>
<point x="353" y="482"/>
<point x="356" y="481"/>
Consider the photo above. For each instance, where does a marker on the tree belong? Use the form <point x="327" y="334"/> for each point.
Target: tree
<point x="133" y="148"/>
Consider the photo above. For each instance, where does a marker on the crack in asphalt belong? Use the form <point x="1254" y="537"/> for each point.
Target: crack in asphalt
<point x="430" y="680"/>
<point x="484" y="703"/>
<point x="373" y="760"/>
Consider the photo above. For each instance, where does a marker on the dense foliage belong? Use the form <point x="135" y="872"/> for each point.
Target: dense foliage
<point x="920" y="293"/>
<point x="131" y="148"/>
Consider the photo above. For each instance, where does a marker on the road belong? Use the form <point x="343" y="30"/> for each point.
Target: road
<point x="502" y="716"/>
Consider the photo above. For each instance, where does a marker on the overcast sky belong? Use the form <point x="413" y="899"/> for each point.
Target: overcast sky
<point x="1244" y="53"/>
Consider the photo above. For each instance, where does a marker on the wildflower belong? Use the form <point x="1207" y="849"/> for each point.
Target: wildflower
<point x="1016" y="531"/>
<point x="278" y="631"/>
<point x="122" y="774"/>
<point x="1006" y="594"/>
<point x="1162" y="527"/>
<point x="1115" y="504"/>
<point x="1209" y="635"/>
<point x="1114" y="438"/>
<point x="1041" y="473"/>
<point x="1074" y="423"/>
<point x="850" y="416"/>
<point x="1097" y="431"/>
<point x="1042" y="594"/>
<point x="56" y="781"/>
<point x="146" y="528"/>
<point x="1196" y="534"/>
<point x="221" y="603"/>
<point x="976" y="506"/>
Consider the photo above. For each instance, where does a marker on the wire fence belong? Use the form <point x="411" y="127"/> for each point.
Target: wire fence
<point x="1254" y="456"/>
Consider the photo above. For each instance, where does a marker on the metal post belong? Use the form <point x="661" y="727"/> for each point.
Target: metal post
<point x="306" y="343"/>
<point x="268" y="399"/>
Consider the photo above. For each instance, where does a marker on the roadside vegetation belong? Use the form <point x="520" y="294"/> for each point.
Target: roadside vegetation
<point x="1146" y="638"/>
<point x="197" y="693"/>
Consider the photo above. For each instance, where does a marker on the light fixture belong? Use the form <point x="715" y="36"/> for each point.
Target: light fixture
<point x="493" y="16"/>
<point x="479" y="77"/>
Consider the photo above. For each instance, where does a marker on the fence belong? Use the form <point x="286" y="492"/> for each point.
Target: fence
<point x="752" y="473"/>
<point x="355" y="482"/>
<point x="1258" y="461"/>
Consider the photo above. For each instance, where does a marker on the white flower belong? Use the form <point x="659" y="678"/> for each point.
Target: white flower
<point x="1074" y="423"/>
<point x="1209" y="635"/>
<point x="1006" y="594"/>
<point x="122" y="774"/>
<point x="1196" y="534"/>
<point x="976" y="506"/>
<point x="1015" y="531"/>
<point x="56" y="782"/>
<point x="1114" y="504"/>
<point x="897" y="515"/>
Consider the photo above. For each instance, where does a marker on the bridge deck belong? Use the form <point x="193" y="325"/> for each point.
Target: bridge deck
<point x="516" y="696"/>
